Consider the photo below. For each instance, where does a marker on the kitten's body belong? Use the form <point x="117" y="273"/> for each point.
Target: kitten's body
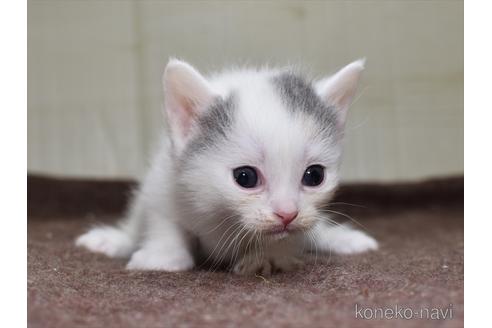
<point x="188" y="203"/>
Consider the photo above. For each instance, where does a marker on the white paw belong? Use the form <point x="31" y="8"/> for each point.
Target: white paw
<point x="152" y="259"/>
<point x="352" y="242"/>
<point x="107" y="240"/>
<point x="250" y="265"/>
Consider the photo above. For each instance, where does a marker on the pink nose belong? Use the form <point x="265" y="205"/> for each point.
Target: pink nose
<point x="286" y="217"/>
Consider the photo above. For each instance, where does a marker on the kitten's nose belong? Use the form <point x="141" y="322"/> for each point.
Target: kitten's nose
<point x="287" y="216"/>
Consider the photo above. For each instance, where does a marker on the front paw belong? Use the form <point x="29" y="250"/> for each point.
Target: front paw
<point x="286" y="264"/>
<point x="249" y="265"/>
<point x="353" y="242"/>
<point x="151" y="259"/>
<point x="110" y="241"/>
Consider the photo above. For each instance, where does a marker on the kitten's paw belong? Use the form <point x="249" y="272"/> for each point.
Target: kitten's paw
<point x="249" y="265"/>
<point x="286" y="264"/>
<point x="106" y="240"/>
<point x="151" y="259"/>
<point x="353" y="242"/>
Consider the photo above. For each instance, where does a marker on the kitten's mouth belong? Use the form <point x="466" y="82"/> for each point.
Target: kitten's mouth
<point x="276" y="231"/>
<point x="280" y="232"/>
<point x="277" y="235"/>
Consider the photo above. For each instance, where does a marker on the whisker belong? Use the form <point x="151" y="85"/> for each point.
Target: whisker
<point x="256" y="248"/>
<point x="260" y="237"/>
<point x="220" y="239"/>
<point x="238" y="246"/>
<point x="312" y="237"/>
<point x="222" y="222"/>
<point x="229" y="242"/>
<point x="328" y="220"/>
<point x="347" y="216"/>
<point x="250" y="244"/>
<point x="349" y="204"/>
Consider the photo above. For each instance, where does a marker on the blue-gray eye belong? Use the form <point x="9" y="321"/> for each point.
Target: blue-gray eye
<point x="246" y="176"/>
<point x="313" y="176"/>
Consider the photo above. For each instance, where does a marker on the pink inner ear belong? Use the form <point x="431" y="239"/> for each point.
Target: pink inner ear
<point x="187" y="93"/>
<point x="340" y="89"/>
<point x="181" y="114"/>
<point x="184" y="120"/>
<point x="187" y="111"/>
<point x="342" y="96"/>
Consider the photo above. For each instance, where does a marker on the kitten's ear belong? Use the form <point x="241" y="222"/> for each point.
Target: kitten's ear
<point x="339" y="89"/>
<point x="187" y="94"/>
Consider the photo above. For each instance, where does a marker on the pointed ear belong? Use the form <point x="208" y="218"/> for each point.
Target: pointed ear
<point x="339" y="89"/>
<point x="187" y="94"/>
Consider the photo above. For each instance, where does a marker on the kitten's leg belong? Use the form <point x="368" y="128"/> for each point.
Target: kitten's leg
<point x="111" y="241"/>
<point x="267" y="265"/>
<point x="114" y="241"/>
<point x="166" y="247"/>
<point x="250" y="265"/>
<point x="341" y="239"/>
<point x="277" y="257"/>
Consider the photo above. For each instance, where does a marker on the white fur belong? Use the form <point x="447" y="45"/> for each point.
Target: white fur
<point x="109" y="241"/>
<point x="178" y="79"/>
<point x="339" y="89"/>
<point x="341" y="239"/>
<point x="180" y="204"/>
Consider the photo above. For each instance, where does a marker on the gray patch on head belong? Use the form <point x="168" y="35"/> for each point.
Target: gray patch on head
<point x="213" y="125"/>
<point x="300" y="98"/>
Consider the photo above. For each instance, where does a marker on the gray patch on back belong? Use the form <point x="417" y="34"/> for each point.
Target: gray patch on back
<point x="212" y="126"/>
<point x="300" y="98"/>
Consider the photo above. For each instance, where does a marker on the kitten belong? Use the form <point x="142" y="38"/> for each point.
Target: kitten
<point x="251" y="158"/>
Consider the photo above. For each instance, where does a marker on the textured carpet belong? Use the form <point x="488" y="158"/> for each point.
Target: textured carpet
<point x="419" y="266"/>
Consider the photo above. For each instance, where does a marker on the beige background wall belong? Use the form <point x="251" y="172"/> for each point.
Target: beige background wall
<point x="94" y="70"/>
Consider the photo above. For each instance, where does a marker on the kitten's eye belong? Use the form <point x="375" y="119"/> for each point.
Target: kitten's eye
<point x="246" y="176"/>
<point x="313" y="176"/>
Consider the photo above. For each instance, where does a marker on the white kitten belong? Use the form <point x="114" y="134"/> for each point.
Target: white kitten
<point x="251" y="158"/>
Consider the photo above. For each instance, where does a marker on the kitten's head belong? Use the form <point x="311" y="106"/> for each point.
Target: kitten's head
<point x="260" y="147"/>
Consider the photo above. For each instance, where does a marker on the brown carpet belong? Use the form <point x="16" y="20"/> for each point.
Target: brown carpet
<point x="419" y="266"/>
